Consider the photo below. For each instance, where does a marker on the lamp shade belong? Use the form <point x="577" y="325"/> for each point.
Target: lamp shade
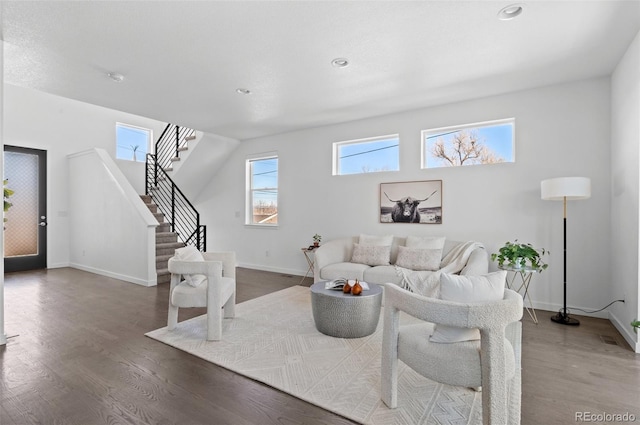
<point x="571" y="188"/>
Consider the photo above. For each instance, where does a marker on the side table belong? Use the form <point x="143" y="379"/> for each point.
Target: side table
<point x="524" y="274"/>
<point x="344" y="315"/>
<point x="306" y="252"/>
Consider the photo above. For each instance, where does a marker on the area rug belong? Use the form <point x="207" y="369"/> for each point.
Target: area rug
<point x="273" y="340"/>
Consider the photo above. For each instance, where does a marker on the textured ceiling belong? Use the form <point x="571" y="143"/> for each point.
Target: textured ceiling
<point x="184" y="60"/>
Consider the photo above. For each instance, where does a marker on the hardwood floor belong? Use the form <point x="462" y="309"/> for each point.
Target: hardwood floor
<point x="80" y="357"/>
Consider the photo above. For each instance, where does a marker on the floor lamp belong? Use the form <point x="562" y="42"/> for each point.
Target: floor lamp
<point x="565" y="189"/>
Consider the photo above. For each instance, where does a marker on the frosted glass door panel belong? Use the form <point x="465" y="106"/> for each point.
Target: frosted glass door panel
<point x="21" y="227"/>
<point x="25" y="228"/>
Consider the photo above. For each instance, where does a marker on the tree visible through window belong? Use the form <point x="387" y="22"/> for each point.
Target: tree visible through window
<point x="366" y="155"/>
<point x="484" y="143"/>
<point x="263" y="191"/>
<point x="132" y="143"/>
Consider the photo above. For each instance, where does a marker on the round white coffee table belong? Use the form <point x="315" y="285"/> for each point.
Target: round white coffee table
<point x="344" y="315"/>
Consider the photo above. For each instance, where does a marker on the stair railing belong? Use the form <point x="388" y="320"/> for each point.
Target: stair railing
<point x="172" y="203"/>
<point x="170" y="142"/>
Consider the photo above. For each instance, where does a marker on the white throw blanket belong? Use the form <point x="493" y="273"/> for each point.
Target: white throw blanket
<point x="427" y="283"/>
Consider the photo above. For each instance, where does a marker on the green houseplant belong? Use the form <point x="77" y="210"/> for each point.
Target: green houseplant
<point x="517" y="255"/>
<point x="635" y="324"/>
<point x="316" y="239"/>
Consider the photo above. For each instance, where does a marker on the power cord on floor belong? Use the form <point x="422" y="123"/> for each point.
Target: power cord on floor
<point x="594" y="311"/>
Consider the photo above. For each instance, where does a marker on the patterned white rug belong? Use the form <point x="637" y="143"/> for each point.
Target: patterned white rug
<point x="273" y="340"/>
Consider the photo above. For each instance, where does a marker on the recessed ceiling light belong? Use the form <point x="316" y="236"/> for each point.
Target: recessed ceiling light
<point x="340" y="62"/>
<point x="243" y="91"/>
<point x="114" y="76"/>
<point x="510" y="12"/>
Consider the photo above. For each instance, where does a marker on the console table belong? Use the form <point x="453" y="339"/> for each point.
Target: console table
<point x="521" y="278"/>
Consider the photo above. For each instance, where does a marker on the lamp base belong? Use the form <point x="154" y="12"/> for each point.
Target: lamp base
<point x="564" y="319"/>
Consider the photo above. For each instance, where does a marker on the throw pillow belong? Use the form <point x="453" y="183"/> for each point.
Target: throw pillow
<point x="386" y="240"/>
<point x="426" y="242"/>
<point x="419" y="259"/>
<point x="372" y="255"/>
<point x="190" y="253"/>
<point x="467" y="289"/>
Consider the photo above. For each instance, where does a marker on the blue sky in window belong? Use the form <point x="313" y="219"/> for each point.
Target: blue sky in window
<point x="498" y="138"/>
<point x="265" y="175"/>
<point x="377" y="155"/>
<point x="127" y="138"/>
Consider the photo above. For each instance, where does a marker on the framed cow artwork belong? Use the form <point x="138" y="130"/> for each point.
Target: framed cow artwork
<point x="411" y="202"/>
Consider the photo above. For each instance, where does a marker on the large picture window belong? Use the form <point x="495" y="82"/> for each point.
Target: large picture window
<point x="132" y="143"/>
<point x="262" y="183"/>
<point x="366" y="155"/>
<point x="472" y="144"/>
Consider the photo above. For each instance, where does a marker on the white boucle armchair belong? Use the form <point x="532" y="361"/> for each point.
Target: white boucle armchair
<point x="217" y="292"/>
<point x="492" y="363"/>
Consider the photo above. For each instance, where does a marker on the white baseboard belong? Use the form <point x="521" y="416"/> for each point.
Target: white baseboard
<point x="137" y="281"/>
<point x="557" y="307"/>
<point x="58" y="265"/>
<point x="626" y="331"/>
<point x="274" y="269"/>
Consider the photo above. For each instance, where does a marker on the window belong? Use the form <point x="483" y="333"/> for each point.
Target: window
<point x="472" y="144"/>
<point x="262" y="183"/>
<point x="132" y="143"/>
<point x="366" y="155"/>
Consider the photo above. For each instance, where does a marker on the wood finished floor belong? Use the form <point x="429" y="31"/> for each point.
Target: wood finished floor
<point x="80" y="357"/>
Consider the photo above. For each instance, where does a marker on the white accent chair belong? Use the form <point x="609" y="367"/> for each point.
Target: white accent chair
<point x="217" y="292"/>
<point x="491" y="363"/>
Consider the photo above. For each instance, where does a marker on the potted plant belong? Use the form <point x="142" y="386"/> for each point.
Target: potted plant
<point x="635" y="324"/>
<point x="517" y="255"/>
<point x="316" y="239"/>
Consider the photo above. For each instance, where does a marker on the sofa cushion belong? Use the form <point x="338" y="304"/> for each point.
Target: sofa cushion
<point x="419" y="258"/>
<point x="346" y="270"/>
<point x="426" y="242"/>
<point x="382" y="274"/>
<point x="372" y="255"/>
<point x="365" y="239"/>
<point x="467" y="289"/>
<point x="190" y="253"/>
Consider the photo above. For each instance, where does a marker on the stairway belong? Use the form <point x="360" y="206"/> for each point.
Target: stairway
<point x="166" y="241"/>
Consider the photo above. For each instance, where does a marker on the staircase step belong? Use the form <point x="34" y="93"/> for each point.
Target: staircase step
<point x="163" y="227"/>
<point x="152" y="207"/>
<point x="163" y="276"/>
<point x="166" y="237"/>
<point x="159" y="216"/>
<point x="175" y="159"/>
<point x="167" y="170"/>
<point x="184" y="148"/>
<point x="192" y="137"/>
<point x="146" y="199"/>
<point x="167" y="248"/>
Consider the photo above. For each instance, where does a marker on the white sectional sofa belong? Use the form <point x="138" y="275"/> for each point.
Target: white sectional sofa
<point x="335" y="258"/>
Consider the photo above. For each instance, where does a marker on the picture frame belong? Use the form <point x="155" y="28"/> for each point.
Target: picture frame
<point x="411" y="202"/>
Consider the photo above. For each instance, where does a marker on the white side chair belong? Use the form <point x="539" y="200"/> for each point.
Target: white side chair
<point x="488" y="363"/>
<point x="217" y="292"/>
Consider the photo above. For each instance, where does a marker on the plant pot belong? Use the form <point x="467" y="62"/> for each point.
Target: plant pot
<point x="316" y="244"/>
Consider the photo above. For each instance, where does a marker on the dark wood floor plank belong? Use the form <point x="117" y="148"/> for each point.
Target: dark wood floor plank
<point x="81" y="357"/>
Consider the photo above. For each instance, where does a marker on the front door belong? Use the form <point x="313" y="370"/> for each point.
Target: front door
<point x="25" y="226"/>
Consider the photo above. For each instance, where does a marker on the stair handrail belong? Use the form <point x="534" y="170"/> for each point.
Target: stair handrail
<point x="168" y="145"/>
<point x="183" y="217"/>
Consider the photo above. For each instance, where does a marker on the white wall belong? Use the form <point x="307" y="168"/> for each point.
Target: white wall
<point x="3" y="337"/>
<point x="111" y="231"/>
<point x="62" y="126"/>
<point x="561" y="130"/>
<point x="625" y="188"/>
